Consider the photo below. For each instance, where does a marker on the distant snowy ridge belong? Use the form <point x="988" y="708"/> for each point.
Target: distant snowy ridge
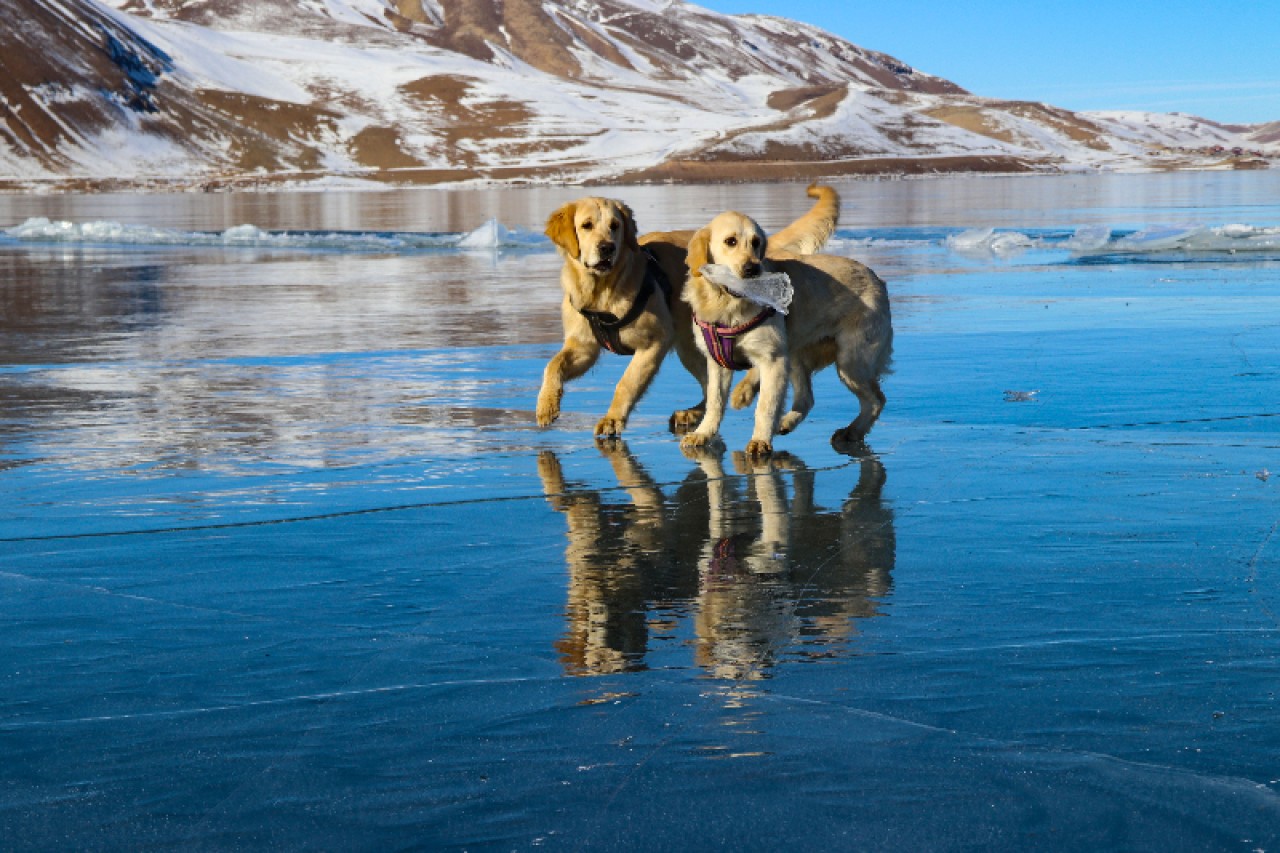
<point x="229" y="93"/>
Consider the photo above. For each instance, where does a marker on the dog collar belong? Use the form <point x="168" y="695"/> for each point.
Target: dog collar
<point x="608" y="327"/>
<point x="720" y="339"/>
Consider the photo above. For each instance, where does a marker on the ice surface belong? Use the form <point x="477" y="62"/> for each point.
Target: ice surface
<point x="490" y="236"/>
<point x="772" y="290"/>
<point x="284" y="556"/>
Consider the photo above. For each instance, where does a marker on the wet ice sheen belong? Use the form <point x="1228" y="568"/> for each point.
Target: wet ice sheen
<point x="286" y="562"/>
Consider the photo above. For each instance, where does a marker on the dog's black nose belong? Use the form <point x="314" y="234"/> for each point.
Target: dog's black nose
<point x="751" y="270"/>
<point x="606" y="250"/>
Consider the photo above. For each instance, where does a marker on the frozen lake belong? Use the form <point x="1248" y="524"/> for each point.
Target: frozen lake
<point x="286" y="563"/>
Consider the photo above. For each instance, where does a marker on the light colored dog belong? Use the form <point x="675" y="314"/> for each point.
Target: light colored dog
<point x="839" y="314"/>
<point x="614" y="299"/>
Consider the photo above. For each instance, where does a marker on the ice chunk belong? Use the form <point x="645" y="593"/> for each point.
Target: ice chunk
<point x="772" y="289"/>
<point x="494" y="235"/>
<point x="1158" y="239"/>
<point x="985" y="241"/>
<point x="1089" y="238"/>
<point x="490" y="235"/>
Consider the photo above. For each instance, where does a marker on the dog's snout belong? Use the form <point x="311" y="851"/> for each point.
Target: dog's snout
<point x="606" y="250"/>
<point x="751" y="270"/>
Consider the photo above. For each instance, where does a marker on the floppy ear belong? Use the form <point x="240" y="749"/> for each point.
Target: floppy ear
<point x="560" y="229"/>
<point x="629" y="237"/>
<point x="697" y="256"/>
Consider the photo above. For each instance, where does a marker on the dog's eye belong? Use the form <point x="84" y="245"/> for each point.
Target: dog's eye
<point x="731" y="241"/>
<point x="586" y="226"/>
<point x="755" y="242"/>
<point x="614" y="226"/>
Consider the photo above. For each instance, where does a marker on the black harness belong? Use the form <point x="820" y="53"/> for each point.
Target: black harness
<point x="608" y="328"/>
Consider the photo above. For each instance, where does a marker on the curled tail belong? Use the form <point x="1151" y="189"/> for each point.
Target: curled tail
<point x="810" y="232"/>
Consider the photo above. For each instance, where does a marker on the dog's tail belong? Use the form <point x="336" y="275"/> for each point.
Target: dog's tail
<point x="810" y="232"/>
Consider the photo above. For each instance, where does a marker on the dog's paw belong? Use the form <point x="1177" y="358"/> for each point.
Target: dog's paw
<point x="684" y="420"/>
<point x="609" y="427"/>
<point x="849" y="441"/>
<point x="697" y="446"/>
<point x="744" y="394"/>
<point x="701" y="439"/>
<point x="547" y="412"/>
<point x="790" y="421"/>
<point x="757" y="449"/>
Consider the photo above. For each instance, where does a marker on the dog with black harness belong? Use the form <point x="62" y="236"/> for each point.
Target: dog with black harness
<point x="622" y="295"/>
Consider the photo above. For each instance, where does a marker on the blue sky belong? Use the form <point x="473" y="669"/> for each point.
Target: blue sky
<point x="1219" y="59"/>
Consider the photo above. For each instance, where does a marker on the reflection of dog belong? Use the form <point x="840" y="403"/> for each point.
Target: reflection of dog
<point x="762" y="575"/>
<point x="616" y="558"/>
<point x="839" y="314"/>
<point x="793" y="578"/>
<point x="621" y="293"/>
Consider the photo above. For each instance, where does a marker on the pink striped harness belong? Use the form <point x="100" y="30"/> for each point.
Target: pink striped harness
<point x="719" y="339"/>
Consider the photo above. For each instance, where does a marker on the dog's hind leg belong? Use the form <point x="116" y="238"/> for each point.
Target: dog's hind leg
<point x="804" y="364"/>
<point x="746" y="390"/>
<point x="862" y="382"/>
<point x="573" y="360"/>
<point x="801" y="396"/>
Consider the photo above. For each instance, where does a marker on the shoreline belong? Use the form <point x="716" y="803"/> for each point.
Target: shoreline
<point x="686" y="172"/>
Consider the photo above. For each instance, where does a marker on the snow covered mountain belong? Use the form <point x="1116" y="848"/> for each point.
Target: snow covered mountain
<point x="267" y="92"/>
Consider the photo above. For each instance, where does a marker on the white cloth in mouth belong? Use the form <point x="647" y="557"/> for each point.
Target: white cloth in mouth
<point x="771" y="289"/>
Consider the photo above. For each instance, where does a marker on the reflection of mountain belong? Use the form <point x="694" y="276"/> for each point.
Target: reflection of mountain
<point x="199" y="359"/>
<point x="220" y="92"/>
<point x="766" y="576"/>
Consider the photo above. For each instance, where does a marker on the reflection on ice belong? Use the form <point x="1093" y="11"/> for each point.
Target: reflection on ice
<point x="767" y="576"/>
<point x="1087" y="242"/>
<point x="490" y="235"/>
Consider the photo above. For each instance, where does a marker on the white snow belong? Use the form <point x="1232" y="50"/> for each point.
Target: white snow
<point x="613" y="120"/>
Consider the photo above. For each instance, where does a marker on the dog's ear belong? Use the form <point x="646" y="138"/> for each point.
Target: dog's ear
<point x="629" y="237"/>
<point x="561" y="231"/>
<point x="699" y="247"/>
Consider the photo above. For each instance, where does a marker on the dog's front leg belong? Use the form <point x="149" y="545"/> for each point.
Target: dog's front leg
<point x="693" y="359"/>
<point x="719" y="379"/>
<point x="773" y="393"/>
<point x="631" y="387"/>
<point x="573" y="360"/>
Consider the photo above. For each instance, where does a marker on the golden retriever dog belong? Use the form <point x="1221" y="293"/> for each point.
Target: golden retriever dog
<point x="622" y="294"/>
<point x="839" y="314"/>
